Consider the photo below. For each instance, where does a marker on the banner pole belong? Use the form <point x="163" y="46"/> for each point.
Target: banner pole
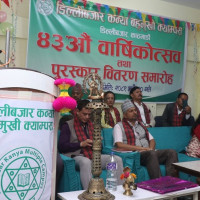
<point x="7" y="48"/>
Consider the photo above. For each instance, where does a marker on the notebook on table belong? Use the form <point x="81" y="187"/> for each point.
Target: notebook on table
<point x="166" y="184"/>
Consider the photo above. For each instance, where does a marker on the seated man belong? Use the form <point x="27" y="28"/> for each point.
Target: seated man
<point x="76" y="141"/>
<point x="144" y="113"/>
<point x="133" y="135"/>
<point x="178" y="113"/>
<point x="110" y="116"/>
<point x="77" y="92"/>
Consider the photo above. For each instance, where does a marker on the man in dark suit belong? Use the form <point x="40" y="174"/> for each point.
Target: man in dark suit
<point x="178" y="113"/>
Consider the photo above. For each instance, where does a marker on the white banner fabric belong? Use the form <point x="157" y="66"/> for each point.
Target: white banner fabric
<point x="26" y="140"/>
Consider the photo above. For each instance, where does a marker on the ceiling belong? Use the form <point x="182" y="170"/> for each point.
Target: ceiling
<point x="188" y="3"/>
<point x="23" y="8"/>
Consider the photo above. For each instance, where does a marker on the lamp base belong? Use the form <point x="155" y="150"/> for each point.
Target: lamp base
<point x="96" y="191"/>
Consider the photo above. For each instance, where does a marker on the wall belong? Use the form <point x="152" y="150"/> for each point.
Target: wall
<point x="155" y="7"/>
<point x="21" y="10"/>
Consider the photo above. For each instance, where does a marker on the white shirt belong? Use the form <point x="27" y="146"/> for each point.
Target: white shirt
<point x="187" y="116"/>
<point x="118" y="135"/>
<point x="141" y="109"/>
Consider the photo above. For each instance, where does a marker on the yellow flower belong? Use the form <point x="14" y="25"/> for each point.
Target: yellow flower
<point x="134" y="176"/>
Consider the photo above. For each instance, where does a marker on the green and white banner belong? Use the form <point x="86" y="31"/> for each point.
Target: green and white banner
<point x="26" y="140"/>
<point x="69" y="39"/>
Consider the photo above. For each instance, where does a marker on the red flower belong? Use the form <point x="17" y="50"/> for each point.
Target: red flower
<point x="126" y="174"/>
<point x="122" y="176"/>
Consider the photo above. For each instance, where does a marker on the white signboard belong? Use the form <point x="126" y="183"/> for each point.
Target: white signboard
<point x="26" y="141"/>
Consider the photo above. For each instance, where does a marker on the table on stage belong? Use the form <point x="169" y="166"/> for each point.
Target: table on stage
<point x="191" y="168"/>
<point x="139" y="194"/>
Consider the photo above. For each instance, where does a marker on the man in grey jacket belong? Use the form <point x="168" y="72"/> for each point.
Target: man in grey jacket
<point x="76" y="141"/>
<point x="131" y="134"/>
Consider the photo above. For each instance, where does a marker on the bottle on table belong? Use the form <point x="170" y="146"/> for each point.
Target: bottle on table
<point x="111" y="179"/>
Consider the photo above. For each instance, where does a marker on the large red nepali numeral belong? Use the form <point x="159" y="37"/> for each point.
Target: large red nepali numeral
<point x="59" y="41"/>
<point x="43" y="40"/>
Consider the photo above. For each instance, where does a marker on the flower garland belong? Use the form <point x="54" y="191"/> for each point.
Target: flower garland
<point x="64" y="103"/>
<point x="127" y="173"/>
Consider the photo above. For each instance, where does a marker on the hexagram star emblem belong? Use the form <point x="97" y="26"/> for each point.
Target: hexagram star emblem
<point x="23" y="179"/>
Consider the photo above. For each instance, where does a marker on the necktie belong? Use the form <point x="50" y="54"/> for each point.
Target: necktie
<point x="85" y="131"/>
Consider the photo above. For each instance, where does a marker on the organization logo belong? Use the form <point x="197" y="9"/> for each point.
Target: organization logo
<point x="23" y="174"/>
<point x="45" y="7"/>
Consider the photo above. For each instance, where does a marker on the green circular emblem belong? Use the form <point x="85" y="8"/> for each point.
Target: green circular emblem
<point x="23" y="174"/>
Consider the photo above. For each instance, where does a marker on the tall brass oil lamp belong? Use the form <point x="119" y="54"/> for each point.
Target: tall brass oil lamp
<point x="96" y="189"/>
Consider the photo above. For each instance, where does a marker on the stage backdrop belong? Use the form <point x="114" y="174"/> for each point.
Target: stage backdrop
<point x="69" y="39"/>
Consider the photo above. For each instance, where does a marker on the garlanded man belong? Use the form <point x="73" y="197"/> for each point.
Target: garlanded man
<point x="76" y="141"/>
<point x="131" y="134"/>
<point x="144" y="113"/>
<point x="178" y="113"/>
